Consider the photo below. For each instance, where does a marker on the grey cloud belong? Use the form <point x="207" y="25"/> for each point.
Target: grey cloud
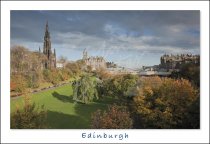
<point x="151" y="31"/>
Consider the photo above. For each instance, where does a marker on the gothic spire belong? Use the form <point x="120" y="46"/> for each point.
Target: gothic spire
<point x="47" y="26"/>
<point x="50" y="61"/>
<point x="47" y="33"/>
<point x="47" y="42"/>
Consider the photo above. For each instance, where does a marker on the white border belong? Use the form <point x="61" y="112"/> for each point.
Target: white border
<point x="74" y="136"/>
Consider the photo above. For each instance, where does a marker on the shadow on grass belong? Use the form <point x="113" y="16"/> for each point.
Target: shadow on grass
<point x="62" y="98"/>
<point x="58" y="120"/>
<point x="82" y="119"/>
<point x="86" y="110"/>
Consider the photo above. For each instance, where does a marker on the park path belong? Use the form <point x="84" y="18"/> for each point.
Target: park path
<point x="41" y="90"/>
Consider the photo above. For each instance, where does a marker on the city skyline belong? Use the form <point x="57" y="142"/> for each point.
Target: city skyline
<point x="128" y="38"/>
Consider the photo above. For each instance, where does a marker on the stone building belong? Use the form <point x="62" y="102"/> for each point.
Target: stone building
<point x="94" y="62"/>
<point x="49" y="61"/>
<point x="176" y="61"/>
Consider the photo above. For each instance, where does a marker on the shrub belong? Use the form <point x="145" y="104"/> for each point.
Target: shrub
<point x="115" y="117"/>
<point x="29" y="117"/>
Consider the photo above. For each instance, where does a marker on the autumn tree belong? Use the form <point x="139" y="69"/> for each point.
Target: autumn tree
<point x="64" y="74"/>
<point x="103" y="74"/>
<point x="18" y="83"/>
<point x="26" y="67"/>
<point x="19" y="59"/>
<point x="116" y="117"/>
<point x="30" y="117"/>
<point x="168" y="106"/>
<point x="74" y="68"/>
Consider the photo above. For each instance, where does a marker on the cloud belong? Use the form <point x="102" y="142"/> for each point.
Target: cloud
<point x="149" y="44"/>
<point x="110" y="32"/>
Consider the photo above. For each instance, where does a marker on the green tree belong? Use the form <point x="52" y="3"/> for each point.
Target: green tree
<point x="120" y="86"/>
<point x="84" y="90"/>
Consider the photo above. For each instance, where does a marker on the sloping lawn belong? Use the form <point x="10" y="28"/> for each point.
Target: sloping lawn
<point x="63" y="112"/>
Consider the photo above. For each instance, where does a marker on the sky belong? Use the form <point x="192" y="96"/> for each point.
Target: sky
<point x="128" y="38"/>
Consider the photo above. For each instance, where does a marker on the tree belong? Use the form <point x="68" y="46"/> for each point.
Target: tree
<point x="64" y="74"/>
<point x="193" y="118"/>
<point x="168" y="106"/>
<point x="84" y="90"/>
<point x="25" y="68"/>
<point x="129" y="84"/>
<point x="103" y="74"/>
<point x="19" y="83"/>
<point x="120" y="86"/>
<point x="189" y="71"/>
<point x="55" y="76"/>
<point x="33" y="79"/>
<point x="74" y="68"/>
<point x="30" y="117"/>
<point x="24" y="61"/>
<point x="19" y="59"/>
<point x="115" y="117"/>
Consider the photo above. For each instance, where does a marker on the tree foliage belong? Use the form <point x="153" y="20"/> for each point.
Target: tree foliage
<point x="84" y="90"/>
<point x="27" y="70"/>
<point x="34" y="79"/>
<point x="30" y="117"/>
<point x="19" y="59"/>
<point x="120" y="86"/>
<point x="18" y="83"/>
<point x="116" y="117"/>
<point x="189" y="71"/>
<point x="167" y="106"/>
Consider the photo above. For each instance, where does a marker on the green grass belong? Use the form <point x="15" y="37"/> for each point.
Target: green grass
<point x="62" y="111"/>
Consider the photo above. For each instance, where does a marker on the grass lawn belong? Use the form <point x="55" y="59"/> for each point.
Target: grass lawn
<point x="63" y="112"/>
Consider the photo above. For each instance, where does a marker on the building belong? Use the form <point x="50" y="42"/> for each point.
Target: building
<point x="111" y="65"/>
<point x="168" y="64"/>
<point x="172" y="62"/>
<point x="154" y="73"/>
<point x="49" y="61"/>
<point x="59" y="65"/>
<point x="94" y="62"/>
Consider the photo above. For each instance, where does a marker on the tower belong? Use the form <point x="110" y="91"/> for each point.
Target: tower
<point x="50" y="60"/>
<point x="85" y="55"/>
